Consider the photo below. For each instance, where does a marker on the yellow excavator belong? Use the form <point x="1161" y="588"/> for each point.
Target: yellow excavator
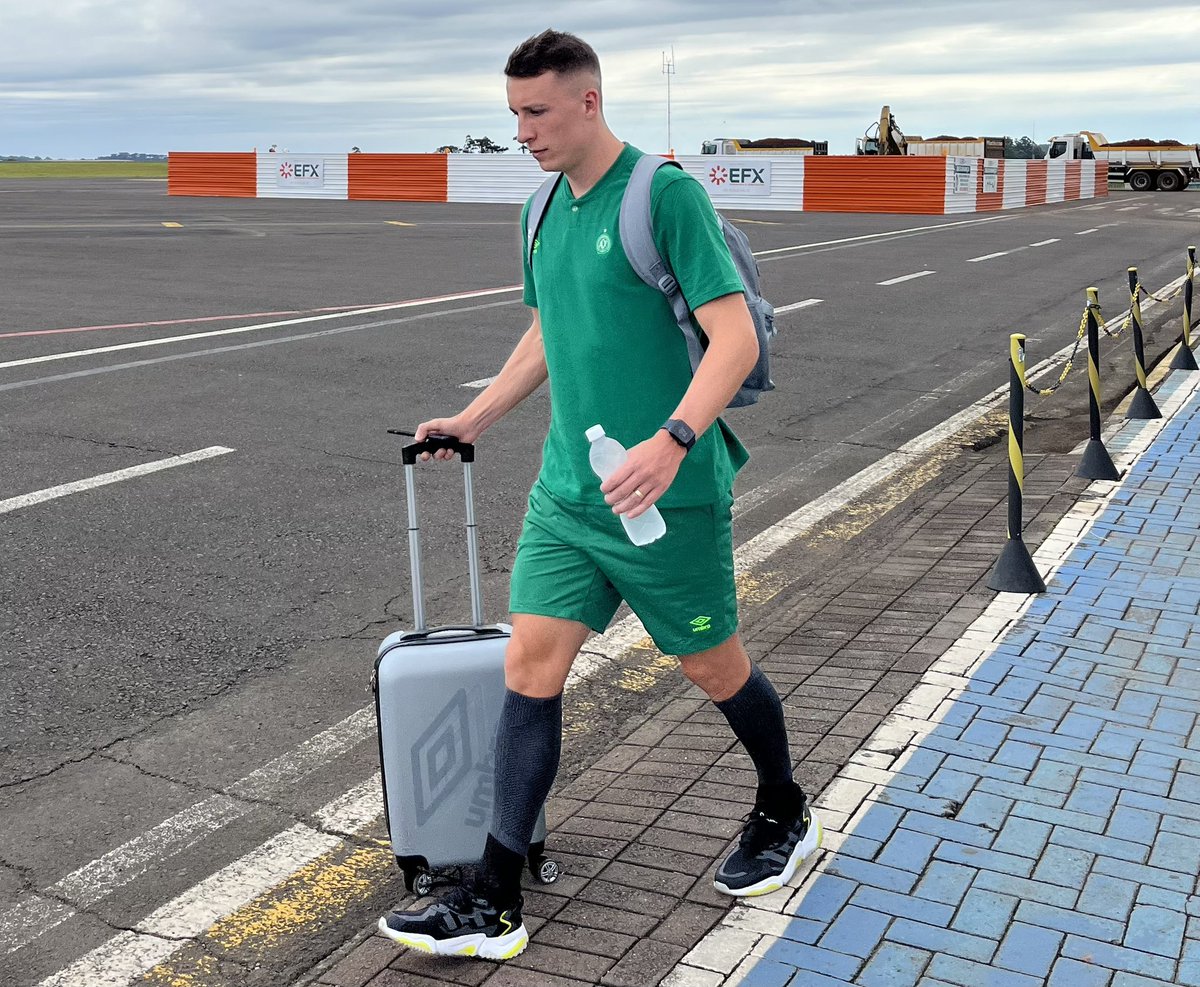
<point x="883" y="137"/>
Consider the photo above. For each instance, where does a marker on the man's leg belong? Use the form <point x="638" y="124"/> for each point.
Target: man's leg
<point x="528" y="743"/>
<point x="781" y="830"/>
<point x="483" y="918"/>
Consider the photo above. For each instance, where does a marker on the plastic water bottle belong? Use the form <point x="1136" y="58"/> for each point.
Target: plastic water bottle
<point x="605" y="455"/>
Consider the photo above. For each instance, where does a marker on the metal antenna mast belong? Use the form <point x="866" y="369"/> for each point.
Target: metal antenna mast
<point x="668" y="71"/>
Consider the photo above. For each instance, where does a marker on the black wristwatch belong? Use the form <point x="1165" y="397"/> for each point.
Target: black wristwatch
<point x="681" y="432"/>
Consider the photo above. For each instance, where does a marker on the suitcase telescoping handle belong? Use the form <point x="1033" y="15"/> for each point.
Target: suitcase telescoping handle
<point x="409" y="457"/>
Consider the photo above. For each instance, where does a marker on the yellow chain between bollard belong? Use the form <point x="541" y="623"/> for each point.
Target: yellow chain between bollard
<point x="1045" y="392"/>
<point x="1150" y="294"/>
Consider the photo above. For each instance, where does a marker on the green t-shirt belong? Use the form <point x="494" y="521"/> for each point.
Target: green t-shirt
<point x="615" y="354"/>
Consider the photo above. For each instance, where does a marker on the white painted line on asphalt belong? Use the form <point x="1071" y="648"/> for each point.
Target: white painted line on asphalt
<point x="807" y="303"/>
<point x="1192" y="212"/>
<point x="906" y="277"/>
<point x="1094" y="229"/>
<point x="482" y="382"/>
<point x="881" y="236"/>
<point x="64" y="489"/>
<point x="355" y="810"/>
<point x="1043" y="243"/>
<point x="72" y="354"/>
<point x="1128" y="208"/>
<point x="998" y="253"/>
<point x="256" y="344"/>
<point x="93" y="882"/>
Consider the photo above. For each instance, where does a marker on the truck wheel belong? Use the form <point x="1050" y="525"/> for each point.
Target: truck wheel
<point x="1169" y="181"/>
<point x="1142" y="181"/>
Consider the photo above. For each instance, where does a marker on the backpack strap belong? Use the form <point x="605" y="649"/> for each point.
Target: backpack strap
<point x="637" y="240"/>
<point x="537" y="209"/>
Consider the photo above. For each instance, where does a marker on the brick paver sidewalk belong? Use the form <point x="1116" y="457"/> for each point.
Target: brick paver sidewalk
<point x="640" y="831"/>
<point x="1030" y="813"/>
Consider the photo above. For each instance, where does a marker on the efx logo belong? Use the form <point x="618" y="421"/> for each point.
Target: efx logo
<point x="737" y="176"/>
<point x="302" y="171"/>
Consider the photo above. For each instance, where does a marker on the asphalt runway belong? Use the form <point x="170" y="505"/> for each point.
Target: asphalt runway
<point x="168" y="633"/>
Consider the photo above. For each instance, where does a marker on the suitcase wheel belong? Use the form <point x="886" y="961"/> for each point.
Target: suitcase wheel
<point x="545" y="871"/>
<point x="417" y="877"/>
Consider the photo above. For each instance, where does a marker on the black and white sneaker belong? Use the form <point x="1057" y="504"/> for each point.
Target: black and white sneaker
<point x="768" y="853"/>
<point x="461" y="924"/>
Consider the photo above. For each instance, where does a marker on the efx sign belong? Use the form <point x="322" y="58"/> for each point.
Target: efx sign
<point x="737" y="176"/>
<point x="294" y="170"/>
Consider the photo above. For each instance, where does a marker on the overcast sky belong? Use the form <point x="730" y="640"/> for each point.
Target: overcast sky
<point x="82" y="78"/>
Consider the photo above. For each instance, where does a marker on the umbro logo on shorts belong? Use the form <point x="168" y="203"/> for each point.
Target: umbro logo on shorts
<point x="701" y="624"/>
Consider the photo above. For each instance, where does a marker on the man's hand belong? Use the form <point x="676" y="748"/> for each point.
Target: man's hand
<point x="460" y="427"/>
<point x="649" y="471"/>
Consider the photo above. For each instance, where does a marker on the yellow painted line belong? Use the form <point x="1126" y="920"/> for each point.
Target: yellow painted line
<point x="396" y="222"/>
<point x="315" y="893"/>
<point x="645" y="677"/>
<point x="173" y="226"/>
<point x="578" y="718"/>
<point x="316" y="897"/>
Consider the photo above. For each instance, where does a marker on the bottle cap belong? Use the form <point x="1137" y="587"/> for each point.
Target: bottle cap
<point x="594" y="433"/>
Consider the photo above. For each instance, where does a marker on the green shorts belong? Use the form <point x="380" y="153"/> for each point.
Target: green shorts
<point x="575" y="562"/>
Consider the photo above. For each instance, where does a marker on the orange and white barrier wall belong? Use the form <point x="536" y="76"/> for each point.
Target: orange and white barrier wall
<point x="913" y="185"/>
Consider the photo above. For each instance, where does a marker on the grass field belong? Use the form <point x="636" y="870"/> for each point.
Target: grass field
<point x="83" y="169"/>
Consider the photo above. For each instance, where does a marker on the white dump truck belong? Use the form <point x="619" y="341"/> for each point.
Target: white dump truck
<point x="1142" y="164"/>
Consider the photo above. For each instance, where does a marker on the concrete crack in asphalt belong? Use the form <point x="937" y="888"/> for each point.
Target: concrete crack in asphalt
<point x="145" y="728"/>
<point x="304" y="818"/>
<point x="39" y="776"/>
<point x="200" y="789"/>
<point x="24" y="875"/>
<point x="109" y="445"/>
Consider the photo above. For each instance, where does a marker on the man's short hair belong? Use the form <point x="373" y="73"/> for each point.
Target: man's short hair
<point x="552" y="51"/>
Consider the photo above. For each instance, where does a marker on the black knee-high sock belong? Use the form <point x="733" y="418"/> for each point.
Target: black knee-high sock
<point x="756" y="716"/>
<point x="528" y="745"/>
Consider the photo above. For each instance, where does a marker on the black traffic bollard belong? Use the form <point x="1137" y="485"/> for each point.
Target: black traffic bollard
<point x="1015" y="571"/>
<point x="1184" y="358"/>
<point x="1096" y="464"/>
<point x="1143" y="405"/>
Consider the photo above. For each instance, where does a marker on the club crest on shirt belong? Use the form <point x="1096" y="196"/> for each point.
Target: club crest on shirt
<point x="603" y="243"/>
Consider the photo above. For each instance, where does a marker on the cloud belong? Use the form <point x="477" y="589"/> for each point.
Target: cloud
<point x="87" y="77"/>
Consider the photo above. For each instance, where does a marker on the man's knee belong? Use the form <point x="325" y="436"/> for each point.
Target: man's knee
<point x="719" y="671"/>
<point x="540" y="654"/>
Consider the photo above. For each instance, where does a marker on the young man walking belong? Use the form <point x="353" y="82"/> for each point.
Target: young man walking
<point x="614" y="356"/>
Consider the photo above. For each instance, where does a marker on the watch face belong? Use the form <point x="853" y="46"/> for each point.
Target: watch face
<point x="682" y="432"/>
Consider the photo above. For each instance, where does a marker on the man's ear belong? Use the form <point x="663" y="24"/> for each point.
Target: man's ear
<point x="591" y="99"/>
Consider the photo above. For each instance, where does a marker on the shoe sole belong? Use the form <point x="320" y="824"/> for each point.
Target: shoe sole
<point x="806" y="847"/>
<point x="476" y="944"/>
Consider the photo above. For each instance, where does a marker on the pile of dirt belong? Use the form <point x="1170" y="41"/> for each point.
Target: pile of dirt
<point x="1142" y="142"/>
<point x="777" y="142"/>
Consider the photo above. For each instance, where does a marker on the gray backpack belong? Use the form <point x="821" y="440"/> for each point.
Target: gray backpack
<point x="637" y="240"/>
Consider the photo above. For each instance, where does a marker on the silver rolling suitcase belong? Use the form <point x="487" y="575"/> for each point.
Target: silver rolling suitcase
<point x="438" y="695"/>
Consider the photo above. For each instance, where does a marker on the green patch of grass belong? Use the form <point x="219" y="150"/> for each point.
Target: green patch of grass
<point x="83" y="169"/>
